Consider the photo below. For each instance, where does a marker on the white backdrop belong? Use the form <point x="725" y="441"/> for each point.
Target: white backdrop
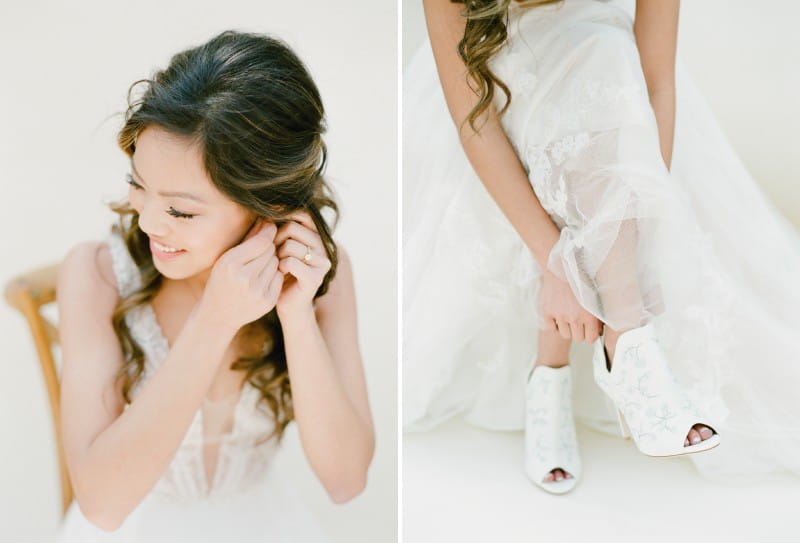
<point x="66" y="69"/>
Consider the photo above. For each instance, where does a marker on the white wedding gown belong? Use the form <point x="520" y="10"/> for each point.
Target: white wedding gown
<point x="219" y="486"/>
<point x="698" y="250"/>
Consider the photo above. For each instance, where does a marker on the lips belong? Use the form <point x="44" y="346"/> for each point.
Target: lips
<point x="164" y="255"/>
<point x="160" y="245"/>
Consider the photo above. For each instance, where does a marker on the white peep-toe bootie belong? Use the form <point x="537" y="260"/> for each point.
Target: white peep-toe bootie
<point x="550" y="438"/>
<point x="652" y="408"/>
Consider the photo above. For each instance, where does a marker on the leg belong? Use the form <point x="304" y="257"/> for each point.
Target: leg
<point x="553" y="351"/>
<point x="617" y="280"/>
<point x="619" y="291"/>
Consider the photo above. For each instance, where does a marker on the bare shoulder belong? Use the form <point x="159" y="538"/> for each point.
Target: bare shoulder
<point x="344" y="265"/>
<point x="340" y="290"/>
<point x="87" y="269"/>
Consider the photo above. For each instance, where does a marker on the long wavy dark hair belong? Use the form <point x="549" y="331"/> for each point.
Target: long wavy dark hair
<point x="252" y="106"/>
<point x="485" y="33"/>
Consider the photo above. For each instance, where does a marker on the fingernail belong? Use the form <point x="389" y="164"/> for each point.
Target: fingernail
<point x="696" y="439"/>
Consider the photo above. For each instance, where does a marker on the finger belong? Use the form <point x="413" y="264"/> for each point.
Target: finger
<point x="269" y="269"/>
<point x="255" y="267"/>
<point x="296" y="268"/>
<point x="573" y="330"/>
<point x="258" y="244"/>
<point x="255" y="226"/>
<point x="299" y="250"/>
<point x="304" y="218"/>
<point x="299" y="232"/>
<point x="576" y="331"/>
<point x="593" y="331"/>
<point x="563" y="328"/>
<point x="273" y="289"/>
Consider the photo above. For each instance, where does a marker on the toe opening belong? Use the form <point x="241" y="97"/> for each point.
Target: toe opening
<point x="688" y="441"/>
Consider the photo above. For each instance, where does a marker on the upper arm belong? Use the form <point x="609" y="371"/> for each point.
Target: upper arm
<point x="446" y="26"/>
<point x="336" y="315"/>
<point x="656" y="30"/>
<point x="90" y="351"/>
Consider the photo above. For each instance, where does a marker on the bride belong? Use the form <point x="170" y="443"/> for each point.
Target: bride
<point x="219" y="311"/>
<point x="580" y="190"/>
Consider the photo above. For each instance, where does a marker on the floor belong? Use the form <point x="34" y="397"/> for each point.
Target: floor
<point x="465" y="484"/>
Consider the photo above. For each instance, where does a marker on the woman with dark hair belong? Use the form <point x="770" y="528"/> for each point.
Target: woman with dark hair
<point x="588" y="194"/>
<point x="218" y="310"/>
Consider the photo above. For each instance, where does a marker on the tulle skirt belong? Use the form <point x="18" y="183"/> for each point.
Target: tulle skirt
<point x="697" y="249"/>
<point x="270" y="511"/>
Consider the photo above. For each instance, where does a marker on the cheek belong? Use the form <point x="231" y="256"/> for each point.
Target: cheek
<point x="217" y="241"/>
<point x="203" y="239"/>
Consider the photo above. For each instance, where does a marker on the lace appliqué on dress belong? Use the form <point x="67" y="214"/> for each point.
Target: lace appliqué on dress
<point x="564" y="129"/>
<point x="546" y="174"/>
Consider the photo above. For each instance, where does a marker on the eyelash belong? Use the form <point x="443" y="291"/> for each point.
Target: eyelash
<point x="172" y="211"/>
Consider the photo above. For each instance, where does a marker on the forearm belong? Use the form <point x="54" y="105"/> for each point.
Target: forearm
<point x="489" y="152"/>
<point x="337" y="442"/>
<point x="125" y="461"/>
<point x="663" y="102"/>
<point x="655" y="29"/>
<point x="497" y="165"/>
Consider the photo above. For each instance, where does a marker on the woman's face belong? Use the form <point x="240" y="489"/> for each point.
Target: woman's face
<point x="179" y="207"/>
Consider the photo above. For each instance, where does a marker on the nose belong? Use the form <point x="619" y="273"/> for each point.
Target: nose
<point x="152" y="223"/>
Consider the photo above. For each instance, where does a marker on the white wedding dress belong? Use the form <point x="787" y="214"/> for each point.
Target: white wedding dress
<point x="698" y="249"/>
<point x="219" y="486"/>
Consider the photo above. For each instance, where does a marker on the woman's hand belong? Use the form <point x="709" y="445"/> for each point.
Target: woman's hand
<point x="562" y="312"/>
<point x="245" y="282"/>
<point x="304" y="261"/>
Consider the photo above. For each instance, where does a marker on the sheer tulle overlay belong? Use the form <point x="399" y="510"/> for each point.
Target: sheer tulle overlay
<point x="219" y="485"/>
<point x="698" y="249"/>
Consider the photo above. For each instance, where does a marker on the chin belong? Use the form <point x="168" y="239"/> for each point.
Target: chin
<point x="170" y="270"/>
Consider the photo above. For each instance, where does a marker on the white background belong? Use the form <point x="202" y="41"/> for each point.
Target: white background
<point x="66" y="67"/>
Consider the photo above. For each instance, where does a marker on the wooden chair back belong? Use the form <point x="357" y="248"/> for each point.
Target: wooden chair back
<point x="28" y="293"/>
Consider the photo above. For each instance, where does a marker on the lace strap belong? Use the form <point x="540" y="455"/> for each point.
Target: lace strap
<point x="125" y="270"/>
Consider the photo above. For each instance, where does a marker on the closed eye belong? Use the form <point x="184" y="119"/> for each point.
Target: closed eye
<point x="175" y="213"/>
<point x="172" y="211"/>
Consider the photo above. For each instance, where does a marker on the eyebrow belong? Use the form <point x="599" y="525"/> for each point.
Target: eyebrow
<point x="173" y="194"/>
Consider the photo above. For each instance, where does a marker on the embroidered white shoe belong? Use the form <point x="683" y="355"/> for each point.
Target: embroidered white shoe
<point x="651" y="405"/>
<point x="550" y="439"/>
